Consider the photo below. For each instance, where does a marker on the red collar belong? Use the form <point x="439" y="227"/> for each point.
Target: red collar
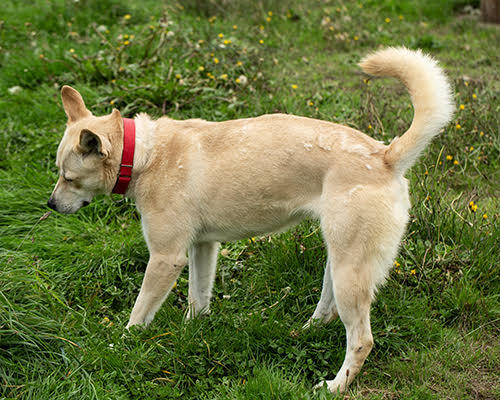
<point x="127" y="163"/>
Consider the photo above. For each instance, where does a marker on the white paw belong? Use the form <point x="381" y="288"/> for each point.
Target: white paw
<point x="333" y="387"/>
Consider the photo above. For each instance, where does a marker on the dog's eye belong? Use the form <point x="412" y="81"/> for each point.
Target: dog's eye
<point x="67" y="180"/>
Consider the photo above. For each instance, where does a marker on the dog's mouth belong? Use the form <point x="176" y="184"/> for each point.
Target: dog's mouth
<point x="65" y="210"/>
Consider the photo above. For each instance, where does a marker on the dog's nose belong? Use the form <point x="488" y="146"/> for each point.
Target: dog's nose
<point x="52" y="204"/>
<point x="85" y="204"/>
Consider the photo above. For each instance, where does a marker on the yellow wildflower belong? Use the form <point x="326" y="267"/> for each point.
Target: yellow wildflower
<point x="401" y="17"/>
<point x="396" y="264"/>
<point x="462" y="107"/>
<point x="310" y="103"/>
<point x="471" y="148"/>
<point x="270" y="13"/>
<point x="370" y="127"/>
<point x="474" y="96"/>
<point x="201" y="68"/>
<point x="261" y="41"/>
<point x="239" y="64"/>
<point x="41" y="56"/>
<point x="235" y="27"/>
<point x="426" y="173"/>
<point x="71" y="50"/>
<point x="223" y="76"/>
<point x="268" y="19"/>
<point x="481" y="133"/>
<point x="413" y="272"/>
<point x="449" y="157"/>
<point x="227" y="41"/>
<point x="178" y="76"/>
<point x="458" y="126"/>
<point x="221" y="35"/>
<point x="125" y="36"/>
<point x="456" y="162"/>
<point x="126" y="42"/>
<point x="387" y="20"/>
<point x="294" y="86"/>
<point x="216" y="60"/>
<point x="237" y="80"/>
<point x="112" y="102"/>
<point x="127" y="16"/>
<point x="485" y="216"/>
<point x="261" y="27"/>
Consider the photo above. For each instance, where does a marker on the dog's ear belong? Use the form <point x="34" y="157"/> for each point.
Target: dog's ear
<point x="73" y="104"/>
<point x="91" y="142"/>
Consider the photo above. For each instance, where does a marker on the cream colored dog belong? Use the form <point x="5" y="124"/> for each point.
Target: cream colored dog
<point x="197" y="183"/>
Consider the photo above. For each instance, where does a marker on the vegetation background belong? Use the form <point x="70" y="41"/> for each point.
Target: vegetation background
<point x="67" y="283"/>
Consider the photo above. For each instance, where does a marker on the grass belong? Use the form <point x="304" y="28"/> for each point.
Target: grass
<point x="67" y="283"/>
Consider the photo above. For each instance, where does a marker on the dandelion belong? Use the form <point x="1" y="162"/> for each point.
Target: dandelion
<point x="216" y="60"/>
<point x="223" y="76"/>
<point x="261" y="41"/>
<point x="428" y="198"/>
<point x="481" y="133"/>
<point x="485" y="216"/>
<point x="112" y="102"/>
<point x="71" y="50"/>
<point x="356" y="38"/>
<point x="270" y="13"/>
<point x="458" y="126"/>
<point x="449" y="157"/>
<point x="396" y="264"/>
<point x="462" y="107"/>
<point x="221" y="35"/>
<point x="201" y="68"/>
<point x="201" y="41"/>
<point x="227" y="41"/>
<point x="471" y="148"/>
<point x="472" y="206"/>
<point x="126" y="42"/>
<point x="474" y="96"/>
<point x="387" y="20"/>
<point x="237" y="80"/>
<point x="239" y="64"/>
<point x="413" y="272"/>
<point x="294" y="86"/>
<point x="235" y="27"/>
<point x="178" y="76"/>
<point x="125" y="36"/>
<point x="268" y="19"/>
<point x="369" y="126"/>
<point x="455" y="162"/>
<point x="426" y="173"/>
<point x="466" y="83"/>
<point x="310" y="103"/>
<point x="127" y="16"/>
<point x="401" y="17"/>
<point x="41" y="56"/>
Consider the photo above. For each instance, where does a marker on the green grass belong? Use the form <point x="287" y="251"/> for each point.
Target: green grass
<point x="67" y="283"/>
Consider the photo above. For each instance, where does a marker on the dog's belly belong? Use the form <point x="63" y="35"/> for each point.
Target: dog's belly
<point x="238" y="228"/>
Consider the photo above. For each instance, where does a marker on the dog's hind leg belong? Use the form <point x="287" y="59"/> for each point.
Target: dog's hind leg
<point x="353" y="294"/>
<point x="326" y="310"/>
<point x="202" y="258"/>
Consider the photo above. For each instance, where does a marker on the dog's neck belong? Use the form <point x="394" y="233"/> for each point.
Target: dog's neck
<point x="144" y="140"/>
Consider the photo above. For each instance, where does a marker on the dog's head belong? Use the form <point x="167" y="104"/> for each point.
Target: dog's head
<point x="88" y="156"/>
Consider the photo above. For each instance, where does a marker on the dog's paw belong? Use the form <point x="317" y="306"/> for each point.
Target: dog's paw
<point x="333" y="387"/>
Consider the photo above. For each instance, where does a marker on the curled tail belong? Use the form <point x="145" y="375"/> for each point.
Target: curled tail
<point x="431" y="96"/>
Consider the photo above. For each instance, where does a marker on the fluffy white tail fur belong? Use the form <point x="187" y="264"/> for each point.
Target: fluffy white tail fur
<point x="431" y="96"/>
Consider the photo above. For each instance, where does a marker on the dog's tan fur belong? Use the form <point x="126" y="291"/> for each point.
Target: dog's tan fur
<point x="197" y="183"/>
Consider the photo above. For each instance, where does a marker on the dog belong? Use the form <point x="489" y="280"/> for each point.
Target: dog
<point x="197" y="183"/>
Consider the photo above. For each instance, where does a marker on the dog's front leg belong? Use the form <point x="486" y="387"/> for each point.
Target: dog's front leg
<point x="202" y="265"/>
<point x="161" y="273"/>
